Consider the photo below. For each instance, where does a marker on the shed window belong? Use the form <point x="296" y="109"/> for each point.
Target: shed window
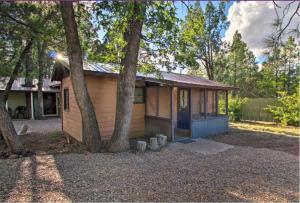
<point x="66" y="99"/>
<point x="139" y="95"/>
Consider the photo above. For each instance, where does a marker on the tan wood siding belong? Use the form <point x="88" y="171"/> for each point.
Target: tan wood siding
<point x="72" y="123"/>
<point x="211" y="104"/>
<point x="103" y="93"/>
<point x="164" y="102"/>
<point x="195" y="101"/>
<point x="151" y="101"/>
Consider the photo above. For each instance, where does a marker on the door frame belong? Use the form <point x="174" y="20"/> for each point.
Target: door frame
<point x="189" y="105"/>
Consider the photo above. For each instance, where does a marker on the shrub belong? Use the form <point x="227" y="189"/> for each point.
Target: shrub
<point x="287" y="113"/>
<point x="235" y="105"/>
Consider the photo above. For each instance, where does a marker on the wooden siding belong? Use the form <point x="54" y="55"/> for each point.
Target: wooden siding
<point x="164" y="102"/>
<point x="159" y="101"/>
<point x="103" y="93"/>
<point x="156" y="125"/>
<point x="211" y="101"/>
<point x="151" y="97"/>
<point x="72" y="123"/>
<point x="195" y="101"/>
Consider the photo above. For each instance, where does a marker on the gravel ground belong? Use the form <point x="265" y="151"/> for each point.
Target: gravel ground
<point x="238" y="174"/>
<point x="41" y="126"/>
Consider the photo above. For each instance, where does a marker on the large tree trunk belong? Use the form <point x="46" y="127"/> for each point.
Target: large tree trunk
<point x="6" y="126"/>
<point x="41" y="66"/>
<point x="91" y="133"/>
<point x="126" y="82"/>
<point x="28" y="68"/>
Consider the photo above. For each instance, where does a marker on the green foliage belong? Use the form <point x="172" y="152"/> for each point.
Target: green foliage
<point x="235" y="105"/>
<point x="158" y="35"/>
<point x="287" y="113"/>
<point x="238" y="67"/>
<point x="281" y="70"/>
<point x="200" y="37"/>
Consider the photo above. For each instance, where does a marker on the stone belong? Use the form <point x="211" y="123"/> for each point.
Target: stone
<point x="161" y="139"/>
<point x="153" y="143"/>
<point x="141" y="146"/>
<point x="23" y="130"/>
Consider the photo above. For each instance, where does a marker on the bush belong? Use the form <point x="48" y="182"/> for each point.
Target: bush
<point x="287" y="113"/>
<point x="235" y="105"/>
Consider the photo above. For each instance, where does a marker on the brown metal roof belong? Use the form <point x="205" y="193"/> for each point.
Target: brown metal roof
<point x="166" y="77"/>
<point x="18" y="85"/>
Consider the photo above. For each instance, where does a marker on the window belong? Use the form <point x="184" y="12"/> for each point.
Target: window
<point x="66" y="99"/>
<point x="139" y="95"/>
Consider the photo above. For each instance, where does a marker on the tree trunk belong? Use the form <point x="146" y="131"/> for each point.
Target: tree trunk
<point x="91" y="133"/>
<point x="6" y="126"/>
<point x="28" y="68"/>
<point x="126" y="82"/>
<point x="41" y="66"/>
<point x="9" y="133"/>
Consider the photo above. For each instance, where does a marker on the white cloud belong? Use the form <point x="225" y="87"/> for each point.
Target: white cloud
<point x="253" y="19"/>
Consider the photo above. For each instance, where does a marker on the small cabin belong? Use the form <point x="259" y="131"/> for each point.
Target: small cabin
<point x="177" y="105"/>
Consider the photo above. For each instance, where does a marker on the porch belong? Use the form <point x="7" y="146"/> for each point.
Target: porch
<point x="182" y="112"/>
<point x="24" y="105"/>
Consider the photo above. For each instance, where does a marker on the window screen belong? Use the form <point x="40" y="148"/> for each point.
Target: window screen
<point x="139" y="95"/>
<point x="66" y="99"/>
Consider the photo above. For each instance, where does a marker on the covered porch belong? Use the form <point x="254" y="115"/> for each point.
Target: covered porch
<point x="182" y="112"/>
<point x="24" y="105"/>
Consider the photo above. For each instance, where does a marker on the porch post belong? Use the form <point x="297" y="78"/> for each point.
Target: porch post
<point x="217" y="101"/>
<point x="157" y="101"/>
<point x="205" y="103"/>
<point x="56" y="101"/>
<point x="226" y="103"/>
<point x="31" y="105"/>
<point x="191" y="112"/>
<point x="171" y="114"/>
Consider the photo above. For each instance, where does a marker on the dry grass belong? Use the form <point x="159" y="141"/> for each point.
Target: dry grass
<point x="46" y="143"/>
<point x="262" y="135"/>
<point x="267" y="127"/>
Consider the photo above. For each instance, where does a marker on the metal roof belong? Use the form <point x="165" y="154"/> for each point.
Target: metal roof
<point x="18" y="85"/>
<point x="166" y="77"/>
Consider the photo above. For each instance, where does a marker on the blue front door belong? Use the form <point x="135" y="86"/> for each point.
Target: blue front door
<point x="184" y="109"/>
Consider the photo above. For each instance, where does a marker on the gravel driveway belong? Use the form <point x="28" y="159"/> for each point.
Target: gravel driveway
<point x="238" y="174"/>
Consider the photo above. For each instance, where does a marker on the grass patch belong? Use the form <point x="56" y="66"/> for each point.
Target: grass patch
<point x="55" y="136"/>
<point x="267" y="127"/>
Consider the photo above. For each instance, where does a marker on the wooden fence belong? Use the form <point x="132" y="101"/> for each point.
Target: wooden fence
<point x="254" y="109"/>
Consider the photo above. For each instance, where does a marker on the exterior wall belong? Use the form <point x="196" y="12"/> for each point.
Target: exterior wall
<point x="164" y="102"/>
<point x="155" y="125"/>
<point x="195" y="101"/>
<point x="151" y="97"/>
<point x="72" y="123"/>
<point x="16" y="99"/>
<point x="210" y="126"/>
<point x="211" y="101"/>
<point x="159" y="101"/>
<point x="103" y="93"/>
